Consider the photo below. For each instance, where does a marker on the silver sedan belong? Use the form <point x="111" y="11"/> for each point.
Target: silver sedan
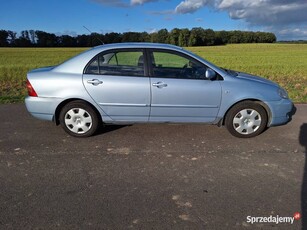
<point x="131" y="83"/>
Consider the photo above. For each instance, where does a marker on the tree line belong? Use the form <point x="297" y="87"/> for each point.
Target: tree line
<point x="180" y="37"/>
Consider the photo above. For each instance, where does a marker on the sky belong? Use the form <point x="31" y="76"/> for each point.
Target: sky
<point x="286" y="18"/>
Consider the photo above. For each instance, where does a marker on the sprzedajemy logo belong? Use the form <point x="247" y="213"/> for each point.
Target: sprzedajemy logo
<point x="273" y="219"/>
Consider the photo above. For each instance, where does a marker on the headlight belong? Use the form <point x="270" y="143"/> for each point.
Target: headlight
<point x="283" y="93"/>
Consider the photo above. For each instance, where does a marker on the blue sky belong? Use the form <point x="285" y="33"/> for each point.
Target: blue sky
<point x="286" y="18"/>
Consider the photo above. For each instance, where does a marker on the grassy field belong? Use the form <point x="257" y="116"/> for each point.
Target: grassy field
<point x="16" y="62"/>
<point x="285" y="64"/>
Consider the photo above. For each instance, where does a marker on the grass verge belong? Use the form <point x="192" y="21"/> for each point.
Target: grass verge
<point x="282" y="63"/>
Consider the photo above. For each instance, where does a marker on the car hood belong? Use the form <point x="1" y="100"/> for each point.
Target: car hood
<point x="255" y="78"/>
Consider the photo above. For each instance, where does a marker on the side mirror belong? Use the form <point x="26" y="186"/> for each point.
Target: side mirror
<point x="210" y="74"/>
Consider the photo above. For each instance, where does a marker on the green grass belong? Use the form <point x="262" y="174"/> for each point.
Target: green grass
<point x="16" y="62"/>
<point x="285" y="64"/>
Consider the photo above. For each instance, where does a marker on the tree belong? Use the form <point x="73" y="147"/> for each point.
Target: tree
<point x="209" y="37"/>
<point x="131" y="37"/>
<point x="247" y="37"/>
<point x="197" y="37"/>
<point x="180" y="37"/>
<point x="3" y="38"/>
<point x="96" y="39"/>
<point x="23" y="40"/>
<point x="192" y="38"/>
<point x="221" y="37"/>
<point x="234" y="37"/>
<point x="45" y="39"/>
<point x="112" y="38"/>
<point x="12" y="37"/>
<point x="266" y="37"/>
<point x="32" y="36"/>
<point x="154" y="37"/>
<point x="174" y="36"/>
<point x="82" y="40"/>
<point x="67" y="41"/>
<point x="144" y="37"/>
<point x="162" y="36"/>
<point x="184" y="37"/>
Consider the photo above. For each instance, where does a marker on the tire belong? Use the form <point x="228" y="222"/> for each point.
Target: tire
<point x="246" y="119"/>
<point x="79" y="119"/>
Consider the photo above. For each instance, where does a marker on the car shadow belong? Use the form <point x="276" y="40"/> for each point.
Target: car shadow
<point x="108" y="128"/>
<point x="303" y="142"/>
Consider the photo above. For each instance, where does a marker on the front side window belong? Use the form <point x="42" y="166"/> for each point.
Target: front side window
<point x="118" y="63"/>
<point x="172" y="65"/>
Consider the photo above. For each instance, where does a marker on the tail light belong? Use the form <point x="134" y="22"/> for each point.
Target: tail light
<point x="31" y="91"/>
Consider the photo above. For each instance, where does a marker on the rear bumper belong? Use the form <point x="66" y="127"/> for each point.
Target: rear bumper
<point x="281" y="112"/>
<point x="42" y="108"/>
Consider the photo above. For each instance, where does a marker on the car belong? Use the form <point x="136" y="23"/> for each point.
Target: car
<point x="128" y="83"/>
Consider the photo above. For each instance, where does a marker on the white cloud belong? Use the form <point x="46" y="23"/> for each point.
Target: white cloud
<point x="255" y="12"/>
<point x="141" y="2"/>
<point x="280" y="15"/>
<point x="123" y="3"/>
<point x="292" y="33"/>
<point x="164" y="12"/>
<point x="152" y="30"/>
<point x="266" y="12"/>
<point x="190" y="6"/>
<point x="115" y="3"/>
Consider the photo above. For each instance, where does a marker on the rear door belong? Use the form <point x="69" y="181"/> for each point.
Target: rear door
<point x="118" y="82"/>
<point x="180" y="90"/>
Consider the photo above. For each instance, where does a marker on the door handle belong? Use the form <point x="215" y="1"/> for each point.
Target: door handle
<point x="94" y="82"/>
<point x="159" y="84"/>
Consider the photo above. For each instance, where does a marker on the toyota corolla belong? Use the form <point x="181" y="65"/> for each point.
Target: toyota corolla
<point x="130" y="83"/>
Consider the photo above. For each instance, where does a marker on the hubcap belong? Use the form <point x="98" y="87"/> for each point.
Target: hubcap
<point x="78" y="120"/>
<point x="247" y="121"/>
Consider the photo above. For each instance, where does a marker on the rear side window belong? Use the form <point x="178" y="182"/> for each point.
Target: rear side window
<point x="118" y="63"/>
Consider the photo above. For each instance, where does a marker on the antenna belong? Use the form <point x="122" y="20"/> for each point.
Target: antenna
<point x="95" y="37"/>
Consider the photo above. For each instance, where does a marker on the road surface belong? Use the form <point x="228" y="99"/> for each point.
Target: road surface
<point x="150" y="176"/>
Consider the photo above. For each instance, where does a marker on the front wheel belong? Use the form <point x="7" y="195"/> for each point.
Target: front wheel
<point x="79" y="119"/>
<point x="246" y="119"/>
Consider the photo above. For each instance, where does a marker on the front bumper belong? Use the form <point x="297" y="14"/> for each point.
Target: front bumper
<point x="281" y="112"/>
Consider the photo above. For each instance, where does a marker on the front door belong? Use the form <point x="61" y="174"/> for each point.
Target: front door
<point x="180" y="91"/>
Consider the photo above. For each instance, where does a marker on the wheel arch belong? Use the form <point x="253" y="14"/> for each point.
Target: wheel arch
<point x="56" y="117"/>
<point x="264" y="105"/>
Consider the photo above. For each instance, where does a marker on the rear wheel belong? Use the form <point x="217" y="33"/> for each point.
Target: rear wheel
<point x="246" y="119"/>
<point x="79" y="119"/>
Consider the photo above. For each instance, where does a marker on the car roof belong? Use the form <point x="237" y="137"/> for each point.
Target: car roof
<point x="138" y="45"/>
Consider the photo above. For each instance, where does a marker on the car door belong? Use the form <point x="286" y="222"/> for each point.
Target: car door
<point x="117" y="81"/>
<point x="179" y="89"/>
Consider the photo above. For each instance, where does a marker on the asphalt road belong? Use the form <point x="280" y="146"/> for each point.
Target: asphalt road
<point x="149" y="176"/>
